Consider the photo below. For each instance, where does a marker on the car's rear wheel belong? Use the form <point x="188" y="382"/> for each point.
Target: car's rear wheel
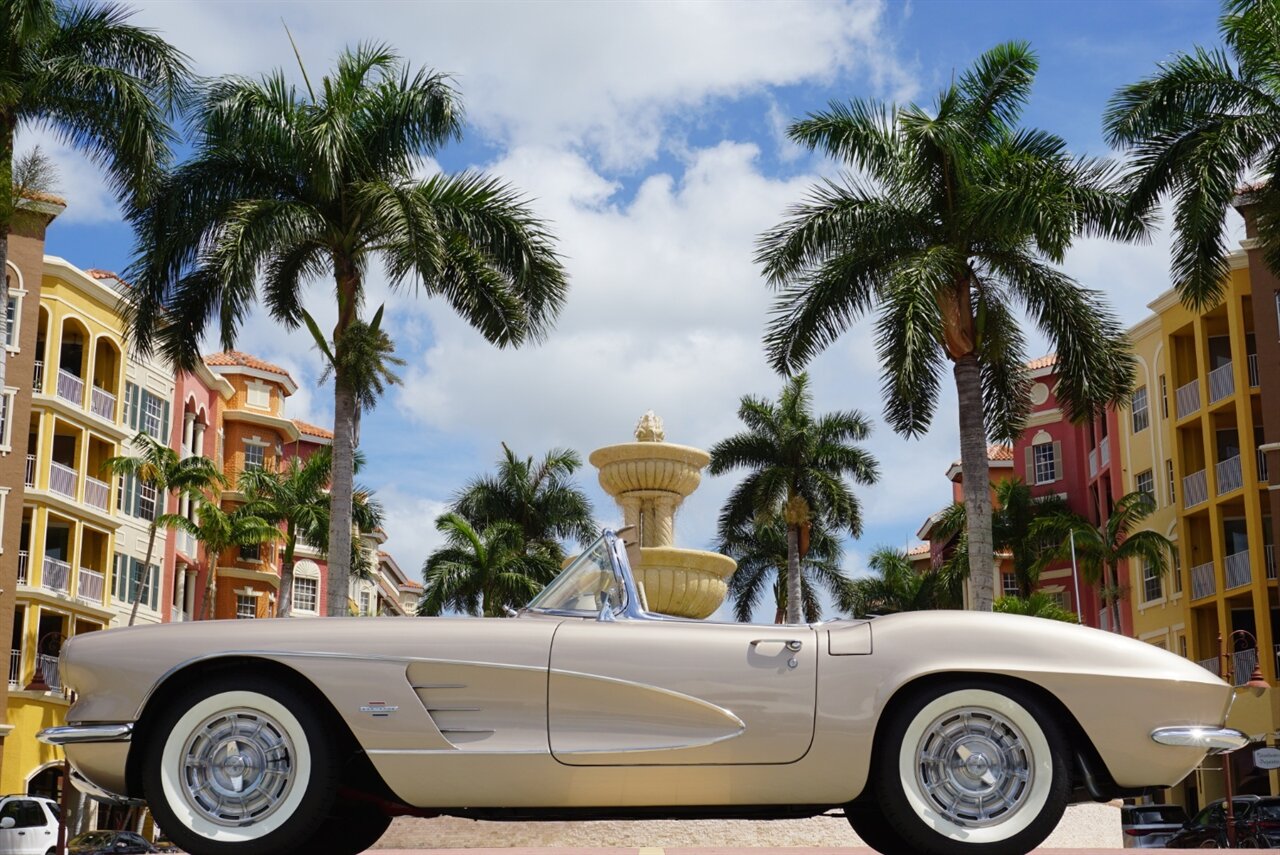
<point x="240" y="765"/>
<point x="349" y="830"/>
<point x="972" y="768"/>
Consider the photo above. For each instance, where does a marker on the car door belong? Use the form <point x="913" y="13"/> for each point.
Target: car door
<point x="31" y="833"/>
<point x="641" y="692"/>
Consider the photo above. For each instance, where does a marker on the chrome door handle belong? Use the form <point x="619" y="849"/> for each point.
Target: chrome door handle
<point x="792" y="644"/>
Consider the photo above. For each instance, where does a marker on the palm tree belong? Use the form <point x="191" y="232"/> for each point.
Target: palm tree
<point x="798" y="464"/>
<point x="760" y="548"/>
<point x="947" y="226"/>
<point x="286" y="187"/>
<point x="898" y="586"/>
<point x="219" y="530"/>
<point x="294" y="497"/>
<point x="1013" y="519"/>
<point x="98" y="82"/>
<point x="160" y="467"/>
<point x="482" y="572"/>
<point x="1101" y="549"/>
<point x="540" y="498"/>
<point x="1038" y="604"/>
<point x="1204" y="124"/>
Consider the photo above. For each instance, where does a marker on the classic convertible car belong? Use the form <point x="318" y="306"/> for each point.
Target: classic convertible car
<point x="937" y="732"/>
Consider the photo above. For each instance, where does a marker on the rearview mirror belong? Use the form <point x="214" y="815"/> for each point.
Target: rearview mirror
<point x="8" y="822"/>
<point x="606" y="607"/>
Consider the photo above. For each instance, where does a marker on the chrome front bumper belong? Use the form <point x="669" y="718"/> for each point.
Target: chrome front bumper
<point x="1215" y="740"/>
<point x="76" y="734"/>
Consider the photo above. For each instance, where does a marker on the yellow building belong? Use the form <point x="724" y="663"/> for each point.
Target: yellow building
<point x="1196" y="448"/>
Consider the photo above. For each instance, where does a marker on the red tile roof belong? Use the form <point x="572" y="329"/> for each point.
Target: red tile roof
<point x="918" y="550"/>
<point x="245" y="360"/>
<point x="1047" y="361"/>
<point x="313" y="430"/>
<point x="999" y="452"/>
<point x="37" y="196"/>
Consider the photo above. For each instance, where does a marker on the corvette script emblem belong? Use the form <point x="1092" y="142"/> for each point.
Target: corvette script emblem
<point x="378" y="710"/>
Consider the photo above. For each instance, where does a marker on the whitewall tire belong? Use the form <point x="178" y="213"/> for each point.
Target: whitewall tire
<point x="972" y="769"/>
<point x="239" y="766"/>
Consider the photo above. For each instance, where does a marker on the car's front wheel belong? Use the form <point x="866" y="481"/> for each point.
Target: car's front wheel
<point x="972" y="768"/>
<point x="240" y="765"/>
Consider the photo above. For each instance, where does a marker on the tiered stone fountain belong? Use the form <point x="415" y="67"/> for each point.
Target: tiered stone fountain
<point x="649" y="479"/>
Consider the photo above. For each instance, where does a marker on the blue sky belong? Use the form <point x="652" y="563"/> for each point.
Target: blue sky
<point x="652" y="136"/>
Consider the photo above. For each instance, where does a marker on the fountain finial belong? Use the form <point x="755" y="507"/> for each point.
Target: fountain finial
<point x="649" y="428"/>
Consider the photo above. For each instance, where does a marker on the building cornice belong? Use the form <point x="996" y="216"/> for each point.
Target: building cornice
<point x="96" y="288"/>
<point x="215" y="382"/>
<point x="280" y="380"/>
<point x="283" y="425"/>
<point x="263" y="576"/>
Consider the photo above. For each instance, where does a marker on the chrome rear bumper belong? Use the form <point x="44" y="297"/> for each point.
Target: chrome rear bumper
<point x="75" y="734"/>
<point x="1215" y="740"/>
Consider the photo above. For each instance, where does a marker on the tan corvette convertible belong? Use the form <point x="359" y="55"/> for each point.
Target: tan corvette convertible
<point x="937" y="732"/>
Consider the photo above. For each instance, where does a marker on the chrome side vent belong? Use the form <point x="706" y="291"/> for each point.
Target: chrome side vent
<point x="458" y="720"/>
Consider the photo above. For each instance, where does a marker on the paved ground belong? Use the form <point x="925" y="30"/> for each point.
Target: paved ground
<point x="654" y="850"/>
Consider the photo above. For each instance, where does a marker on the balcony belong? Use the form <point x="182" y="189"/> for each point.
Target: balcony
<point x="37" y="377"/>
<point x="1222" y="383"/>
<point x="96" y="493"/>
<point x="103" y="404"/>
<point x="1202" y="582"/>
<point x="1269" y="551"/>
<point x="70" y="387"/>
<point x="23" y="558"/>
<point x="1239" y="572"/>
<point x="1195" y="489"/>
<point x="1188" y="398"/>
<point x="186" y="544"/>
<point x="15" y="669"/>
<point x="90" y="587"/>
<point x="48" y="666"/>
<point x="1253" y="371"/>
<point x="1229" y="474"/>
<point x="30" y="478"/>
<point x="56" y="576"/>
<point x="1242" y="664"/>
<point x="1093" y="463"/>
<point x="1262" y="467"/>
<point x="62" y="479"/>
<point x="1212" y="665"/>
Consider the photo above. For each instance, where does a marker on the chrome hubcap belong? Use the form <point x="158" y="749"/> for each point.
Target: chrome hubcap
<point x="974" y="766"/>
<point x="238" y="767"/>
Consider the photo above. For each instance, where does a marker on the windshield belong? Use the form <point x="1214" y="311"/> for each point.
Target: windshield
<point x="582" y="586"/>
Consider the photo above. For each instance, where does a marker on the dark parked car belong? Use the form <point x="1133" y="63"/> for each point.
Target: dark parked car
<point x="1257" y="825"/>
<point x="1151" y="826"/>
<point x="109" y="843"/>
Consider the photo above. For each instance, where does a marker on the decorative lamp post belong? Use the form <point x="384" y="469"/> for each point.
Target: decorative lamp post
<point x="1257" y="683"/>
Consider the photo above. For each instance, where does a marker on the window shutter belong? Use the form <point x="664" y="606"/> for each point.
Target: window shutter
<point x="1030" y="477"/>
<point x="1057" y="461"/>
<point x="133" y="406"/>
<point x="164" y="424"/>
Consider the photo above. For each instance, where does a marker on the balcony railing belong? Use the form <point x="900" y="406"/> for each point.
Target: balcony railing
<point x="1188" y="398"/>
<point x="56" y="575"/>
<point x="62" y="479"/>
<point x="1238" y="569"/>
<point x="186" y="544"/>
<point x="1105" y="448"/>
<point x="70" y="387"/>
<point x="1093" y="463"/>
<point x="1202" y="581"/>
<point x="48" y="666"/>
<point x="103" y="404"/>
<point x="90" y="586"/>
<point x="37" y="377"/>
<point x="1262" y="466"/>
<point x="1253" y="370"/>
<point x="1222" y="383"/>
<point x="1242" y="664"/>
<point x="30" y="478"/>
<point x="1269" y="553"/>
<point x="1230" y="475"/>
<point x="15" y="669"/>
<point x="1195" y="489"/>
<point x="1212" y="665"/>
<point x="96" y="493"/>
<point x="23" y="558"/>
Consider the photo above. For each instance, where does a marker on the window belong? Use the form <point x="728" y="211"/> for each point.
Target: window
<point x="146" y="501"/>
<point x="1173" y="489"/>
<point x="365" y="600"/>
<point x="1175" y="569"/>
<point x="6" y="423"/>
<point x="1164" y="398"/>
<point x="254" y="455"/>
<point x="1046" y="463"/>
<point x="1009" y="585"/>
<point x="1141" y="416"/>
<point x="124" y="582"/>
<point x="151" y="416"/>
<point x="1059" y="599"/>
<point x="305" y="592"/>
<point x="11" y="323"/>
<point x="24" y="813"/>
<point x="1146" y="483"/>
<point x="251" y="552"/>
<point x="1152" y="584"/>
<point x="259" y="396"/>
<point x="1182" y="645"/>
<point x="246" y="606"/>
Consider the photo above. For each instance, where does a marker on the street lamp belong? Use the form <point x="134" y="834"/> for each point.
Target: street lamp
<point x="1226" y="670"/>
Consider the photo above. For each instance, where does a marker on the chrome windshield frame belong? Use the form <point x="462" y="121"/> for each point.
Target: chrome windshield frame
<point x="631" y="607"/>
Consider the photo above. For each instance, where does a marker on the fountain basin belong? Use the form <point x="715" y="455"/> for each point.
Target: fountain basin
<point x="661" y="466"/>
<point x="683" y="582"/>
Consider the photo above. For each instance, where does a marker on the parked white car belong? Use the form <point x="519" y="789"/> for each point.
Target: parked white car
<point x="28" y="825"/>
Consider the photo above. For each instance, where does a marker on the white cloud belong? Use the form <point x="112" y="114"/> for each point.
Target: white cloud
<point x="78" y="180"/>
<point x="410" y="524"/>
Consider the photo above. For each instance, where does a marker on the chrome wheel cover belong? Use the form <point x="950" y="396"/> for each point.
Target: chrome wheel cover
<point x="974" y="766"/>
<point x="238" y="767"/>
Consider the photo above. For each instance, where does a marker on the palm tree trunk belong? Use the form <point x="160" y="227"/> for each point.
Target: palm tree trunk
<point x="975" y="470"/>
<point x="1115" y="598"/>
<point x="285" y="602"/>
<point x="795" y="599"/>
<point x="340" y="490"/>
<point x="142" y="573"/>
